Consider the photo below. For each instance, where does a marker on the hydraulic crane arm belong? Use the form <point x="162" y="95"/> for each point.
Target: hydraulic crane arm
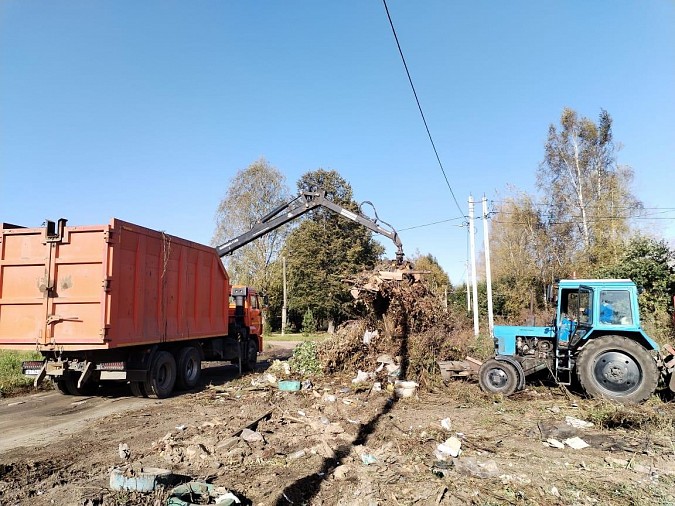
<point x="302" y="204"/>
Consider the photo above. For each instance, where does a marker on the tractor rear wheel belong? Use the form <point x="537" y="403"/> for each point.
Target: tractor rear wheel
<point x="617" y="368"/>
<point x="498" y="377"/>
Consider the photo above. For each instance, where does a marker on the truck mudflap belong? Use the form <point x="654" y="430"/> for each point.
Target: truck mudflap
<point x="667" y="365"/>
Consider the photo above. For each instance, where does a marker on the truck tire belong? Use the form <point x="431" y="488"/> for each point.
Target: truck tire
<point x="70" y="381"/>
<point x="250" y="358"/>
<point x="162" y="375"/>
<point x="61" y="386"/>
<point x="189" y="368"/>
<point x="498" y="377"/>
<point x="138" y="389"/>
<point x="617" y="368"/>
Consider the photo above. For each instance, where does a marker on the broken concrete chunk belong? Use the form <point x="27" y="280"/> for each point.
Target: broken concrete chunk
<point x="251" y="436"/>
<point x="577" y="423"/>
<point x="554" y="443"/>
<point x="576" y="443"/>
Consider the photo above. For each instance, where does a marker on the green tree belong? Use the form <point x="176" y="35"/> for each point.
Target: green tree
<point x="650" y="263"/>
<point x="324" y="250"/>
<point x="437" y="279"/>
<point x="588" y="196"/>
<point x="251" y="194"/>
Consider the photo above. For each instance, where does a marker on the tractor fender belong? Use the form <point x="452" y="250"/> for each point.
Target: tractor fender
<point x="517" y="365"/>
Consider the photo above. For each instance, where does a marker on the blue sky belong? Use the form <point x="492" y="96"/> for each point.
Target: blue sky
<point x="145" y="110"/>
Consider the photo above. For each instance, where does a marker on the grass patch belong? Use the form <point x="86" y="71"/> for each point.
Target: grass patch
<point x="321" y="336"/>
<point x="11" y="378"/>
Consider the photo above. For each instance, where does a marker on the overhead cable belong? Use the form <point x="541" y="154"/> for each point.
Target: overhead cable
<point x="419" y="106"/>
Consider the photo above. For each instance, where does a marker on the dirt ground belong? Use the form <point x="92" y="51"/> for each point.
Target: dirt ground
<point x="340" y="443"/>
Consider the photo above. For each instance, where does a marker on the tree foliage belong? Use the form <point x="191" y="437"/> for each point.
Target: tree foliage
<point x="251" y="194"/>
<point x="588" y="196"/>
<point x="324" y="250"/>
<point x="437" y="279"/>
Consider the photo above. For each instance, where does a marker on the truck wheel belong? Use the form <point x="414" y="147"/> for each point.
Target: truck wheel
<point x="61" y="386"/>
<point x="70" y="381"/>
<point x="189" y="368"/>
<point x="617" y="368"/>
<point x="498" y="377"/>
<point x="138" y="389"/>
<point x="162" y="375"/>
<point x="250" y="358"/>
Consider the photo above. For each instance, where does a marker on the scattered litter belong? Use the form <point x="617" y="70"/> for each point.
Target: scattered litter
<point x="329" y="398"/>
<point x="144" y="480"/>
<point x="405" y="388"/>
<point x="446" y="423"/>
<point x="368" y="458"/>
<point x="265" y="379"/>
<point x="377" y="386"/>
<point x="554" y="443"/>
<point x="124" y="451"/>
<point x="301" y="412"/>
<point x="198" y="492"/>
<point x="15" y="403"/>
<point x="368" y="335"/>
<point x="280" y="368"/>
<point x="181" y="427"/>
<point x="452" y="447"/>
<point x="554" y="491"/>
<point x="361" y="377"/>
<point x="307" y="385"/>
<point x="476" y="468"/>
<point x="577" y="423"/>
<point x="576" y="443"/>
<point x="289" y="385"/>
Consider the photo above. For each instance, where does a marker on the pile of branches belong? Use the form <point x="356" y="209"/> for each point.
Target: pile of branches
<point x="402" y="319"/>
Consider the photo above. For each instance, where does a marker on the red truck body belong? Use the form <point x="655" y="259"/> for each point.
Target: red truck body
<point x="86" y="296"/>
<point x="107" y="286"/>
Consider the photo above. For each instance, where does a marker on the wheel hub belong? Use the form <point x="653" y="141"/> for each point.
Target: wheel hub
<point x="617" y="372"/>
<point x="497" y="378"/>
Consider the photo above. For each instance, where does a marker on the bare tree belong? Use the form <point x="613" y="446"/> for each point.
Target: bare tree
<point x="252" y="193"/>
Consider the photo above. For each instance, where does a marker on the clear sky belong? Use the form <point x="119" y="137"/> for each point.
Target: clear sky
<point x="144" y="110"/>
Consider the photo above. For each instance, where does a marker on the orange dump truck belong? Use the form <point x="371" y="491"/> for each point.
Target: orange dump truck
<point x="120" y="302"/>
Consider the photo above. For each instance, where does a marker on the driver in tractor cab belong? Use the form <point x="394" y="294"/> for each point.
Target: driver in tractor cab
<point x="606" y="312"/>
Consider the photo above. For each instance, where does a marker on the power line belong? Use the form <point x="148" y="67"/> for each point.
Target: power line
<point x="430" y="224"/>
<point x="419" y="106"/>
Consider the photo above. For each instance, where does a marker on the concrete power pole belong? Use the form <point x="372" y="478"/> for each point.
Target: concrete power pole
<point x="283" y="307"/>
<point x="472" y="243"/>
<point x="488" y="272"/>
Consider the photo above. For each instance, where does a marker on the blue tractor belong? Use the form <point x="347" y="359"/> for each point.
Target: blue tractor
<point x="596" y="337"/>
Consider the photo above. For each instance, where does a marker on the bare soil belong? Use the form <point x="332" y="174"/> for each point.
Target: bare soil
<point x="339" y="443"/>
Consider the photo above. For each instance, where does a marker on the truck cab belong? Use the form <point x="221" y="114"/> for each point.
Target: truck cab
<point x="245" y="314"/>
<point x="595" y="336"/>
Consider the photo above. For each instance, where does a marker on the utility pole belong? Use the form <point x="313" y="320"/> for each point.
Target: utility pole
<point x="472" y="243"/>
<point x="468" y="288"/>
<point x="283" y="307"/>
<point x="488" y="272"/>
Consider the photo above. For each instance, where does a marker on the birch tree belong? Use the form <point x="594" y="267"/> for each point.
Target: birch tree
<point x="584" y="187"/>
<point x="252" y="193"/>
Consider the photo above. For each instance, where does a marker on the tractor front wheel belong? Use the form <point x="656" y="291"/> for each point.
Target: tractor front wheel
<point x="617" y="368"/>
<point x="498" y="377"/>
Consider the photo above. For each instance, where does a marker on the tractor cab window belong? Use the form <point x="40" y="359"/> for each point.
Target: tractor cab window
<point x="615" y="307"/>
<point x="254" y="302"/>
<point x="577" y="304"/>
